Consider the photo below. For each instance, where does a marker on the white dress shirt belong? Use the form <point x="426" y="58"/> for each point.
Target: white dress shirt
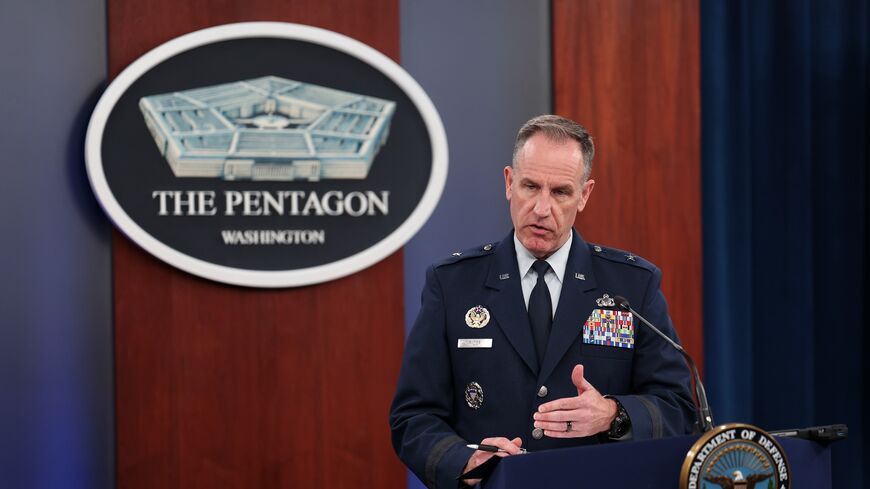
<point x="558" y="262"/>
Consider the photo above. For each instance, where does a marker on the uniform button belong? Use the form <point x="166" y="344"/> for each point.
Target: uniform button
<point x="537" y="433"/>
<point x="542" y="392"/>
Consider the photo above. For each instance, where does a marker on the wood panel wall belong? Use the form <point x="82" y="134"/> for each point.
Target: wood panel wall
<point x="228" y="387"/>
<point x="629" y="70"/>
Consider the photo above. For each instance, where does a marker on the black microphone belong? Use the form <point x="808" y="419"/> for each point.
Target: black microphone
<point x="702" y="408"/>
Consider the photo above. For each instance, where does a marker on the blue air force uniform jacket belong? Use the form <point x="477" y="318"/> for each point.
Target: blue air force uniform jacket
<point x="431" y="420"/>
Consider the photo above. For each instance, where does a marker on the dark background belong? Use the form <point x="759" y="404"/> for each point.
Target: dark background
<point x="785" y="155"/>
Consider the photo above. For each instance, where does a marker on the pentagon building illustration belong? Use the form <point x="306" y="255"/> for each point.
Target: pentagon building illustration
<point x="268" y="128"/>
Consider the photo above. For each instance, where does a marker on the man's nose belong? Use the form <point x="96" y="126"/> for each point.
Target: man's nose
<point x="543" y="205"/>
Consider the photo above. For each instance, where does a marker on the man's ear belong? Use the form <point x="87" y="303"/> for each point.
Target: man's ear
<point x="585" y="192"/>
<point x="508" y="181"/>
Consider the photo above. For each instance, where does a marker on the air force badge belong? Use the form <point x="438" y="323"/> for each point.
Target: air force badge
<point x="605" y="301"/>
<point x="477" y="317"/>
<point x="474" y="395"/>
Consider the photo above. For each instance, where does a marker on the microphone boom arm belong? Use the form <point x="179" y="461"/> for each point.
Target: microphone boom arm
<point x="702" y="408"/>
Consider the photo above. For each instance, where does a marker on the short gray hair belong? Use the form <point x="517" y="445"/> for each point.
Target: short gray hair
<point x="557" y="128"/>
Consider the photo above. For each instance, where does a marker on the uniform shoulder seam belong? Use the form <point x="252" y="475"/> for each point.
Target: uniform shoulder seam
<point x="458" y="256"/>
<point x="624" y="257"/>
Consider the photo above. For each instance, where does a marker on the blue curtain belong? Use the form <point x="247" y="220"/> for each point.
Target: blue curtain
<point x="784" y="149"/>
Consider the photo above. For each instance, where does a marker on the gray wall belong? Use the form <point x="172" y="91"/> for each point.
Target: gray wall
<point x="486" y="65"/>
<point x="56" y="404"/>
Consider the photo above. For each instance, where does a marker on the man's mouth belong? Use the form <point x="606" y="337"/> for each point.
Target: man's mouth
<point x="538" y="229"/>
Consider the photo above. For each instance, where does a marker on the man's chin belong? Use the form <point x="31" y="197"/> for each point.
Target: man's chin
<point x="539" y="247"/>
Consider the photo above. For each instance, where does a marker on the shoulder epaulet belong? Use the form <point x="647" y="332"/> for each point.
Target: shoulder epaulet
<point x="620" y="256"/>
<point x="459" y="256"/>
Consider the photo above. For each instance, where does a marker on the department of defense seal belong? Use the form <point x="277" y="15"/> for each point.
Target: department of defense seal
<point x="736" y="456"/>
<point x="477" y="317"/>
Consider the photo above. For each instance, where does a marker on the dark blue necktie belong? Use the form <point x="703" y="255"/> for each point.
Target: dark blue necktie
<point x="541" y="309"/>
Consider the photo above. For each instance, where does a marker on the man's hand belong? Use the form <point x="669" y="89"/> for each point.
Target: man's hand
<point x="510" y="447"/>
<point x="570" y="417"/>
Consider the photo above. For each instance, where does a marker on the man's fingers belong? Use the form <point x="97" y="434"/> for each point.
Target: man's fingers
<point x="510" y="447"/>
<point x="559" y="416"/>
<point x="580" y="381"/>
<point x="577" y="378"/>
<point x="560" y="404"/>
<point x="552" y="425"/>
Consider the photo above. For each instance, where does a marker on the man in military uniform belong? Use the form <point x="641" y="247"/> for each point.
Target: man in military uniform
<point x="520" y="344"/>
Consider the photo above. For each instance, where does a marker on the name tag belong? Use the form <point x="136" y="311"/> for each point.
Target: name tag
<point x="475" y="343"/>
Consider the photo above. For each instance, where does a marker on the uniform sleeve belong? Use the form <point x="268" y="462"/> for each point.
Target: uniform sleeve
<point x="422" y="411"/>
<point x="662" y="401"/>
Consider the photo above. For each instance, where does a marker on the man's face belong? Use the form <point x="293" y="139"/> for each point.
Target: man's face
<point x="546" y="192"/>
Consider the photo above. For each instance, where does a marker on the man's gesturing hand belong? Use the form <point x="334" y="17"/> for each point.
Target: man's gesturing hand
<point x="510" y="447"/>
<point x="570" y="417"/>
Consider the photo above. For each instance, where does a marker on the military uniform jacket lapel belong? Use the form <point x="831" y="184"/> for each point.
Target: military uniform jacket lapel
<point x="575" y="304"/>
<point x="508" y="307"/>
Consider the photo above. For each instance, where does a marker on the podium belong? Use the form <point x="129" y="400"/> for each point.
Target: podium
<point x="653" y="464"/>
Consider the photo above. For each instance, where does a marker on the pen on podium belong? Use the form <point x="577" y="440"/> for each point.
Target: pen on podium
<point x="490" y="448"/>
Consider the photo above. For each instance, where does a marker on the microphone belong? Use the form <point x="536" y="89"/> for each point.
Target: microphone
<point x="702" y="408"/>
